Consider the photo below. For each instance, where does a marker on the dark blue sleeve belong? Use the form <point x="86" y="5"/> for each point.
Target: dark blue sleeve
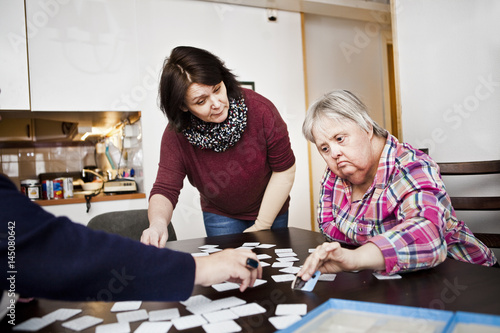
<point x="54" y="258"/>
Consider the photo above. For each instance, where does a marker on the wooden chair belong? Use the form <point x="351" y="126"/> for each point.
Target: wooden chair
<point x="128" y="223"/>
<point x="491" y="240"/>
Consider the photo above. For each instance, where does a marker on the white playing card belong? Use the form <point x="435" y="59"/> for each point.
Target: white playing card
<point x="32" y="324"/>
<point x="196" y="299"/>
<point x="283" y="277"/>
<point x="327" y="277"/>
<point x="211" y="250"/>
<point x="126" y="306"/>
<point x="251" y="244"/>
<point x="204" y="308"/>
<point x="248" y="309"/>
<point x="290" y="270"/>
<point x="266" y="246"/>
<point x="283" y="250"/>
<point x="221" y="315"/>
<point x="290" y="309"/>
<point x="284" y="259"/>
<point x="229" y="326"/>
<point x="156" y="327"/>
<point x="263" y="256"/>
<point x="386" y="277"/>
<point x="131" y="316"/>
<point x="258" y="282"/>
<point x="279" y="264"/>
<point x="165" y="314"/>
<point x="208" y="246"/>
<point x="264" y="264"/>
<point x="82" y="323"/>
<point x="113" y="328"/>
<point x="282" y="322"/>
<point x="229" y="302"/>
<point x="200" y="254"/>
<point x="286" y="254"/>
<point x="61" y="314"/>
<point x="224" y="286"/>
<point x="185" y="322"/>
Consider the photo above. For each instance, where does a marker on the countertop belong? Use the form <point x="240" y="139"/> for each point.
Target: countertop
<point x="80" y="198"/>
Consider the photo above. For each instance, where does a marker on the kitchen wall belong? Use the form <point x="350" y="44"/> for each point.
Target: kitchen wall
<point x="28" y="163"/>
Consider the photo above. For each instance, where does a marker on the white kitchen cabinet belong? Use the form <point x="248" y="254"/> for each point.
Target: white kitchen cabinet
<point x="14" y="88"/>
<point x="83" y="55"/>
<point x="78" y="212"/>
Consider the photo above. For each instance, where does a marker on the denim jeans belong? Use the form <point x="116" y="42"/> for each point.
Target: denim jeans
<point x="216" y="225"/>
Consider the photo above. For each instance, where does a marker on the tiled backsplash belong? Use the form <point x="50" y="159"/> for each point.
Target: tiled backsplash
<point x="28" y="163"/>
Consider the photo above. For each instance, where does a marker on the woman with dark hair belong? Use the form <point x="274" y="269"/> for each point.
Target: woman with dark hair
<point x="229" y="141"/>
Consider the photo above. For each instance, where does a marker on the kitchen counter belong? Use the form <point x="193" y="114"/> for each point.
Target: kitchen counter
<point x="80" y="198"/>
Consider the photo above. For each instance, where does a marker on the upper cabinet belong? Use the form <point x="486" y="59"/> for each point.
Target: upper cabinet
<point x="82" y="55"/>
<point x="14" y="87"/>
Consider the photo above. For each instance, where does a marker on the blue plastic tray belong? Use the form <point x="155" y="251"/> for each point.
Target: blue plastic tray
<point x="322" y="313"/>
<point x="473" y="318"/>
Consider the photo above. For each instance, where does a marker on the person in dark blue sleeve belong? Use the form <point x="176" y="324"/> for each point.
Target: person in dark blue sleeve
<point x="52" y="257"/>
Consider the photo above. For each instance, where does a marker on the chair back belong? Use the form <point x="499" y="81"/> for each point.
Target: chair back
<point x="475" y="203"/>
<point x="128" y="223"/>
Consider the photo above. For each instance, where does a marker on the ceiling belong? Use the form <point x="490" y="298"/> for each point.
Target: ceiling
<point x="371" y="10"/>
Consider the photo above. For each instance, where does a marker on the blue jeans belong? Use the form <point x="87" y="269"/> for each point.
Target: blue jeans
<point x="216" y="225"/>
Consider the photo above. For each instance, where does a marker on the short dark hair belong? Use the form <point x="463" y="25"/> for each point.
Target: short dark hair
<point x="184" y="66"/>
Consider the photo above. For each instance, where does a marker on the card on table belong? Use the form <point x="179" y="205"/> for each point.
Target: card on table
<point x="113" y="328"/>
<point x="62" y="314"/>
<point x="266" y="246"/>
<point x="131" y="316"/>
<point x="290" y="270"/>
<point x="284" y="264"/>
<point x="196" y="299"/>
<point x="82" y="323"/>
<point x="156" y="327"/>
<point x="291" y="309"/>
<point x="387" y="277"/>
<point x="225" y="286"/>
<point x="165" y="314"/>
<point x="32" y="324"/>
<point x="221" y="315"/>
<point x="327" y="277"/>
<point x="228" y="326"/>
<point x="263" y="256"/>
<point x="126" y="306"/>
<point x="282" y="322"/>
<point x="248" y="309"/>
<point x="283" y="277"/>
<point x="185" y="322"/>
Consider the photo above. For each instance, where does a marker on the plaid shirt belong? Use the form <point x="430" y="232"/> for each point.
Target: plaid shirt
<point x="406" y="212"/>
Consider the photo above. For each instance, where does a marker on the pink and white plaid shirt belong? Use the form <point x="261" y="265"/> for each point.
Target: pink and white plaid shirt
<point x="406" y="212"/>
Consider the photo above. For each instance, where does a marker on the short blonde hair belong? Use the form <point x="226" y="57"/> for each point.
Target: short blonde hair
<point x="340" y="105"/>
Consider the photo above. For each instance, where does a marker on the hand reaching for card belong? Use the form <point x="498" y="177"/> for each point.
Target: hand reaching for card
<point x="228" y="265"/>
<point x="332" y="258"/>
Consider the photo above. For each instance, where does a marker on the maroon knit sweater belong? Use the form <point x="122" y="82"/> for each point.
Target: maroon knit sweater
<point x="231" y="183"/>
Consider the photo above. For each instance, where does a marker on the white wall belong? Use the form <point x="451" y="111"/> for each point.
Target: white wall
<point x="268" y="53"/>
<point x="449" y="74"/>
<point x="345" y="54"/>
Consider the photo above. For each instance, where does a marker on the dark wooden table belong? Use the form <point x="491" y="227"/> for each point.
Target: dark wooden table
<point x="453" y="286"/>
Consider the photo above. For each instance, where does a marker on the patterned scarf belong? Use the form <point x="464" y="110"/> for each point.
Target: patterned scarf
<point x="219" y="136"/>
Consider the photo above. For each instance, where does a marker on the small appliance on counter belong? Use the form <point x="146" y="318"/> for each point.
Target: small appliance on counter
<point x="120" y="185"/>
